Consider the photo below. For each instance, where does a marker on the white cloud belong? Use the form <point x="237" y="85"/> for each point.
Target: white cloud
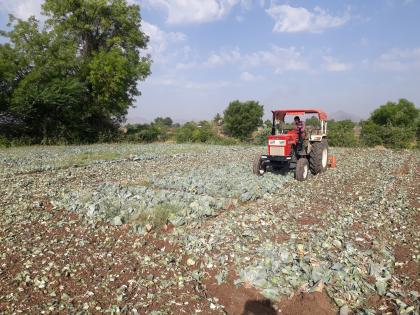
<point x="249" y="77"/>
<point x="399" y="60"/>
<point x="334" y="65"/>
<point x="185" y="65"/>
<point x="22" y="9"/>
<point x="297" y="19"/>
<point x="222" y="58"/>
<point x="195" y="11"/>
<point x="188" y="84"/>
<point x="159" y="40"/>
<point x="278" y="58"/>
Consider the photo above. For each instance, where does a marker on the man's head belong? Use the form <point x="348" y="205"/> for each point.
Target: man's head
<point x="297" y="119"/>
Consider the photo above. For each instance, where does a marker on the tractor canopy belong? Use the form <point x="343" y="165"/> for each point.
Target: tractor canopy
<point x="280" y="114"/>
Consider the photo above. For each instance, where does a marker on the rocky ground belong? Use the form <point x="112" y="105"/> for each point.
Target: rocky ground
<point x="188" y="229"/>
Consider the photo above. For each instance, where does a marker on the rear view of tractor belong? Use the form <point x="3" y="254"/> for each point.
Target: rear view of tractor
<point x="295" y="146"/>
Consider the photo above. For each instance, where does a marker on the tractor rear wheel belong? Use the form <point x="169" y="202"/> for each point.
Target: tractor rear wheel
<point x="318" y="158"/>
<point x="258" y="167"/>
<point x="302" y="169"/>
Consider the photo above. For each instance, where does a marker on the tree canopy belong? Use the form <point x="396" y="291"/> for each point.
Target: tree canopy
<point x="75" y="77"/>
<point x="241" y="119"/>
<point x="393" y="125"/>
<point x="401" y="114"/>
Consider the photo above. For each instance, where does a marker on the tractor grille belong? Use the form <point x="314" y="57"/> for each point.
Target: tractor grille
<point x="279" y="151"/>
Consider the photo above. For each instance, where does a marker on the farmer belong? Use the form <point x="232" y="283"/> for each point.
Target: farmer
<point x="300" y="129"/>
<point x="299" y="124"/>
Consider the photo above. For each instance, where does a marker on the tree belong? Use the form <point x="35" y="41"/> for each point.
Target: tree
<point x="242" y="119"/>
<point x="313" y="121"/>
<point x="77" y="76"/>
<point x="218" y="119"/>
<point x="163" y="122"/>
<point x="392" y="125"/>
<point x="402" y="114"/>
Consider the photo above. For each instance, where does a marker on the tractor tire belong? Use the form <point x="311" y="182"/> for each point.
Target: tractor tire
<point x="318" y="158"/>
<point x="258" y="167"/>
<point x="302" y="169"/>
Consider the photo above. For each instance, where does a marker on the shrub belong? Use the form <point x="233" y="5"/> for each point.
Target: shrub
<point x="145" y="133"/>
<point x="394" y="125"/>
<point x="341" y="133"/>
<point x="398" y="138"/>
<point x="203" y="132"/>
<point x="4" y="142"/>
<point x="371" y="133"/>
<point x="185" y="133"/>
<point x="261" y="136"/>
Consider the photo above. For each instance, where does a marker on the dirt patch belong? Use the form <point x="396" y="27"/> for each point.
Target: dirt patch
<point x="308" y="220"/>
<point x="407" y="269"/>
<point x="240" y="299"/>
<point x="308" y="304"/>
<point x="377" y="302"/>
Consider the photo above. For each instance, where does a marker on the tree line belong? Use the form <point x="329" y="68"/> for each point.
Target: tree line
<point x="393" y="125"/>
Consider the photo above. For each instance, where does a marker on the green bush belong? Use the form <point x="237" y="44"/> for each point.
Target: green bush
<point x="15" y="142"/>
<point x="185" y="133"/>
<point x="313" y="121"/>
<point x="371" y="134"/>
<point x="203" y="132"/>
<point x="193" y="132"/>
<point x="4" y="142"/>
<point x="145" y="133"/>
<point x="149" y="135"/>
<point x="341" y="133"/>
<point x="394" y="125"/>
<point x="261" y="136"/>
<point x="398" y="138"/>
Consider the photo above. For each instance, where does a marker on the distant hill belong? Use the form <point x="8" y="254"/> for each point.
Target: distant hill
<point x="342" y="115"/>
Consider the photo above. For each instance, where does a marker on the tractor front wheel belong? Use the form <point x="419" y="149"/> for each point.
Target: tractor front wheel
<point x="318" y="158"/>
<point x="258" y="167"/>
<point x="302" y="169"/>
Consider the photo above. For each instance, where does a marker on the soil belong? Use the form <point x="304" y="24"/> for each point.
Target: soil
<point x="316" y="303"/>
<point x="239" y="299"/>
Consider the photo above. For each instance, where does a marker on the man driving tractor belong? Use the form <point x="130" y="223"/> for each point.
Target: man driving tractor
<point x="300" y="130"/>
<point x="303" y="149"/>
<point x="299" y="124"/>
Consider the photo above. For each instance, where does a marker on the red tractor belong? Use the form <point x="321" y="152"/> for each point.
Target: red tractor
<point x="295" y="146"/>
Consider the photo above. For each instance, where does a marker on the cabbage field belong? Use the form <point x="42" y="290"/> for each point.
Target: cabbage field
<point x="189" y="229"/>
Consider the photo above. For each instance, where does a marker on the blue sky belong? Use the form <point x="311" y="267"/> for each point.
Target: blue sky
<point x="336" y="55"/>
